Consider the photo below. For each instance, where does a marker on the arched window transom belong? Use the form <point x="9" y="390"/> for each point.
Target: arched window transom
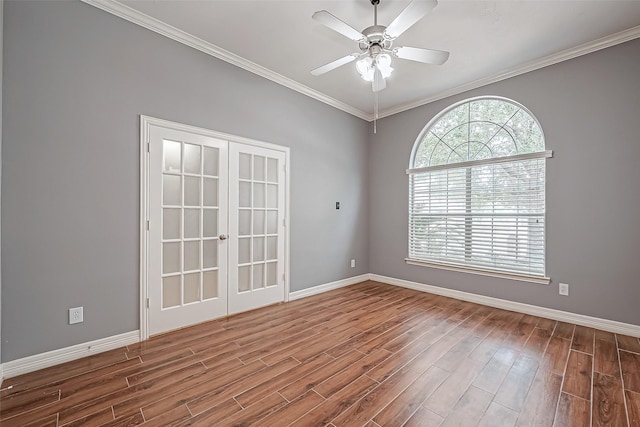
<point x="477" y="191"/>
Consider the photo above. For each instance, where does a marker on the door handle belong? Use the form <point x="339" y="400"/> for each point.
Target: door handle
<point x="223" y="237"/>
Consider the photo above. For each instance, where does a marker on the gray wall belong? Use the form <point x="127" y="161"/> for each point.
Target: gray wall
<point x="1" y="45"/>
<point x="76" y="80"/>
<point x="589" y="109"/>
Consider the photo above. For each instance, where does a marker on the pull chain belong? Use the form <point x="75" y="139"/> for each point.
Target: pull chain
<point x="375" y="112"/>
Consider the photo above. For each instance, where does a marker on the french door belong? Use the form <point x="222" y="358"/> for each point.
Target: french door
<point x="216" y="228"/>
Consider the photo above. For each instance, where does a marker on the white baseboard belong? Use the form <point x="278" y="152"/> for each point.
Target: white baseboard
<point x="62" y="355"/>
<point x="549" y="313"/>
<point x="327" y="287"/>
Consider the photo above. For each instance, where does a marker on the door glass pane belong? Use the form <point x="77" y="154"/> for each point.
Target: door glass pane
<point x="171" y="190"/>
<point x="258" y="222"/>
<point x="171" y="156"/>
<point x="191" y="256"/>
<point x="211" y="161"/>
<point x="244" y="196"/>
<point x="272" y="170"/>
<point x="192" y="158"/>
<point x="258" y="276"/>
<point x="272" y="196"/>
<point x="191" y="191"/>
<point x="272" y="222"/>
<point x="171" y="291"/>
<point x="191" y="287"/>
<point x="244" y="278"/>
<point x="171" y="223"/>
<point x="210" y="284"/>
<point x="171" y="257"/>
<point x="258" y="195"/>
<point x="245" y="166"/>
<point x="244" y="249"/>
<point x="258" y="249"/>
<point x="272" y="273"/>
<point x="244" y="222"/>
<point x="210" y="195"/>
<point x="210" y="253"/>
<point x="272" y="247"/>
<point x="191" y="223"/>
<point x="210" y="222"/>
<point x="258" y="168"/>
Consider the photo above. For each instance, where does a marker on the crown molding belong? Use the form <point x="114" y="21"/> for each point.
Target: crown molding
<point x="125" y="12"/>
<point x="132" y="15"/>
<point x="565" y="55"/>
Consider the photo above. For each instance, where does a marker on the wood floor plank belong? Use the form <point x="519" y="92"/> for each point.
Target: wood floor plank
<point x="337" y="403"/>
<point x="577" y="379"/>
<point x="337" y="382"/>
<point x="583" y="339"/>
<point x="303" y="384"/>
<point x="515" y="387"/>
<point x="369" y="354"/>
<point x="556" y="355"/>
<point x="366" y="408"/>
<point x="424" y="418"/>
<point x="628" y="343"/>
<point x="408" y="401"/>
<point x="630" y="364"/>
<point x="293" y="411"/>
<point x="608" y="408"/>
<point x="539" y="407"/>
<point x="469" y="409"/>
<point x="498" y="415"/>
<point x="572" y="411"/>
<point x="494" y="372"/>
<point x="564" y="330"/>
<point x="633" y="408"/>
<point x="605" y="358"/>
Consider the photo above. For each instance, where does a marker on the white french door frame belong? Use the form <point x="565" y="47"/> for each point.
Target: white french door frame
<point x="146" y="123"/>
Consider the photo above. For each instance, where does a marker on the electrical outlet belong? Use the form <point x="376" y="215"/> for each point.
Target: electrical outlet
<point x="76" y="315"/>
<point x="563" y="289"/>
<point x="353" y="263"/>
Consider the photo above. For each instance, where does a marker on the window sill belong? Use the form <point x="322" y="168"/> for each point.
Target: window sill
<point x="481" y="271"/>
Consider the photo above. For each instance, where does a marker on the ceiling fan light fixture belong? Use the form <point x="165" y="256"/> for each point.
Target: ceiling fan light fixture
<point x="365" y="68"/>
<point x="383" y="62"/>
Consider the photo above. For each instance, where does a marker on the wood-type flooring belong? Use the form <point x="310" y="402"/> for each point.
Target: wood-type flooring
<point x="364" y="355"/>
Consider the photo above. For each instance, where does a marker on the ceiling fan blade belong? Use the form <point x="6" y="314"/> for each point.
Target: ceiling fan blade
<point x="335" y="64"/>
<point x="428" y="56"/>
<point x="378" y="83"/>
<point x="337" y="25"/>
<point x="416" y="10"/>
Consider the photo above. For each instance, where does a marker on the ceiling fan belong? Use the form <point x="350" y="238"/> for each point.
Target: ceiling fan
<point x="376" y="43"/>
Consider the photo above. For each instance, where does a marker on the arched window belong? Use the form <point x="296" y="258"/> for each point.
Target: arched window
<point x="477" y="191"/>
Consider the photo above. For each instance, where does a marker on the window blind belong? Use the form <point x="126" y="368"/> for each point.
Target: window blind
<point x="486" y="215"/>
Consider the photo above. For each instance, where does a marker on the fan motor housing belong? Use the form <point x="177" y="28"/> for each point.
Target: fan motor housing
<point x="375" y="36"/>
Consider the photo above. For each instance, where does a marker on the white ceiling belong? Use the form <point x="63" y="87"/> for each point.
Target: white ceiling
<point x="488" y="40"/>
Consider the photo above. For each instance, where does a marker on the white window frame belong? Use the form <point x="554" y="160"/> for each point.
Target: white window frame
<point x="460" y="267"/>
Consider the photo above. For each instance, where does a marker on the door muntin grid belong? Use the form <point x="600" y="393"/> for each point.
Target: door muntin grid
<point x="190" y="223"/>
<point x="258" y="218"/>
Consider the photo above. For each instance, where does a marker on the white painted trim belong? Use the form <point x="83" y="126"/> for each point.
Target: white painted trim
<point x="564" y="55"/>
<point x="132" y="15"/>
<point x="145" y="124"/>
<point x="62" y="355"/>
<point x="327" y="287"/>
<point x="549" y="313"/>
<point x="539" y="280"/>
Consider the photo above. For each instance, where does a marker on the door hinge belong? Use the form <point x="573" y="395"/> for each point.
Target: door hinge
<point x="283" y="277"/>
<point x="147" y="225"/>
<point x="148" y="147"/>
<point x="147" y="302"/>
<point x="284" y="222"/>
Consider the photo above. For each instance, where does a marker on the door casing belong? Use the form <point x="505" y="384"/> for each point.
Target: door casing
<point x="146" y="123"/>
